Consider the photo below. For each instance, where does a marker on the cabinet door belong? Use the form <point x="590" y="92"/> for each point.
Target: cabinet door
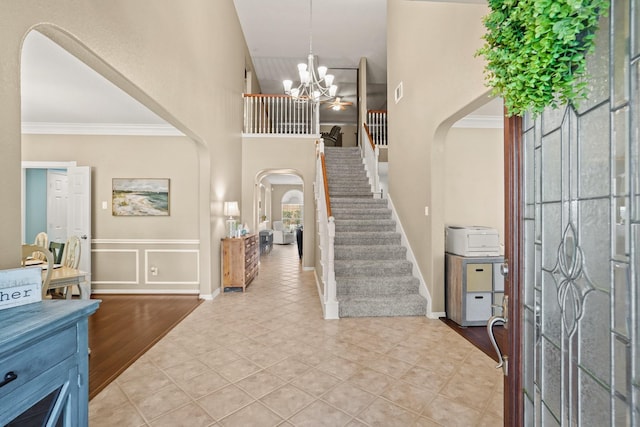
<point x="52" y="399"/>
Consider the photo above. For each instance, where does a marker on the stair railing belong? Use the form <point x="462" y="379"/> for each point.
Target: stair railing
<point x="327" y="235"/>
<point x="280" y="114"/>
<point x="377" y="121"/>
<point x="370" y="154"/>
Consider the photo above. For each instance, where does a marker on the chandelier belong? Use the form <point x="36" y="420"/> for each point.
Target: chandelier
<point x="315" y="83"/>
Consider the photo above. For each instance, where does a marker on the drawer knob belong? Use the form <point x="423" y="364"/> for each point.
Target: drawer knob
<point x="8" y="377"/>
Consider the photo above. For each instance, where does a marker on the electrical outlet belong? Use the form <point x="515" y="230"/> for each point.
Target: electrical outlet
<point x="426" y="211"/>
<point x="154" y="271"/>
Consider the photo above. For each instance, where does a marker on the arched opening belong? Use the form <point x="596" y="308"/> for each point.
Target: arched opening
<point x="292" y="209"/>
<point x="77" y="110"/>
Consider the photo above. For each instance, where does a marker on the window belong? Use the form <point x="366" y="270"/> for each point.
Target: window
<point x="292" y="208"/>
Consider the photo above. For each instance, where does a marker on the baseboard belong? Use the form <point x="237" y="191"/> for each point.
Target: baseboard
<point x="146" y="291"/>
<point x="424" y="291"/>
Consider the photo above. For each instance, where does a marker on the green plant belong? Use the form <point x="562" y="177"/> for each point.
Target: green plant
<point x="535" y="51"/>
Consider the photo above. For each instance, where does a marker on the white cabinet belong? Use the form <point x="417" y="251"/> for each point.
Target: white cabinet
<point x="473" y="285"/>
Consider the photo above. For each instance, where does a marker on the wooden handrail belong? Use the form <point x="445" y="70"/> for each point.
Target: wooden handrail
<point x="377" y="111"/>
<point x="326" y="185"/>
<point x="366" y="129"/>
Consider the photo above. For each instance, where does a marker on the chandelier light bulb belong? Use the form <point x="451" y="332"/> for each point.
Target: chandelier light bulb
<point x="302" y="67"/>
<point x="295" y="92"/>
<point x="333" y="90"/>
<point x="322" y="71"/>
<point x="328" y="80"/>
<point x="287" y="85"/>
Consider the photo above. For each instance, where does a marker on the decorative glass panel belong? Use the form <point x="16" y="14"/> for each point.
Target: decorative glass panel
<point x="621" y="52"/>
<point x="581" y="302"/>
<point x="595" y="403"/>
<point x="621" y="299"/>
<point x="594" y="332"/>
<point x="552" y="168"/>
<point x="594" y="153"/>
<point x="598" y="68"/>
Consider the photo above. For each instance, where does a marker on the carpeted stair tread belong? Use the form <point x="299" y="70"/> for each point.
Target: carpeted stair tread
<point x="378" y="238"/>
<point x="351" y="268"/>
<point x="368" y="286"/>
<point x="365" y="225"/>
<point x="402" y="305"/>
<point x="368" y="252"/>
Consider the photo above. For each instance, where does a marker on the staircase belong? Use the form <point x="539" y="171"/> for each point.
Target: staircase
<point x="373" y="276"/>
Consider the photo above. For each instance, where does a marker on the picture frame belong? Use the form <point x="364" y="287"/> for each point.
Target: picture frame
<point x="140" y="196"/>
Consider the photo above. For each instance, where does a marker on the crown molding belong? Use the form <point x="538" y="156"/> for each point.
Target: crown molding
<point x="45" y="128"/>
<point x="480" y="122"/>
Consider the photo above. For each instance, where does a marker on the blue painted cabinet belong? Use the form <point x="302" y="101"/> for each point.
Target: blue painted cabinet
<point x="44" y="363"/>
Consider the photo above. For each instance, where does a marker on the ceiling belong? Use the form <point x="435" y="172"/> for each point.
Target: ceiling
<point x="59" y="88"/>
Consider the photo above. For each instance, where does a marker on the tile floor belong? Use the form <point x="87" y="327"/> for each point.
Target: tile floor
<point x="267" y="358"/>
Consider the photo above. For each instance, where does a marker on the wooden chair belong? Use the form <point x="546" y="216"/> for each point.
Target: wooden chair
<point x="56" y="248"/>
<point x="28" y="251"/>
<point x="71" y="253"/>
<point x="41" y="240"/>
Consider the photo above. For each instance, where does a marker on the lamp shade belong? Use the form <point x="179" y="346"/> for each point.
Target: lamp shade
<point x="231" y="209"/>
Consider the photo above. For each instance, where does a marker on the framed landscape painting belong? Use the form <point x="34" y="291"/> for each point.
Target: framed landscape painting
<point x="140" y="197"/>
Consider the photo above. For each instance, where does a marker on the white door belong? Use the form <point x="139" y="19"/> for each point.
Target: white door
<point x="79" y="212"/>
<point x="57" y="205"/>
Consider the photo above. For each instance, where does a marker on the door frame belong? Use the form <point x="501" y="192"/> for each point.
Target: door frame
<point x="513" y="398"/>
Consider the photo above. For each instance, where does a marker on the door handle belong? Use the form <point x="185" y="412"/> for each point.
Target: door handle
<point x="8" y="377"/>
<point x="503" y="359"/>
<point x="83" y="237"/>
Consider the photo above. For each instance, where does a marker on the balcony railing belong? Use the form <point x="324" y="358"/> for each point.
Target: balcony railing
<point x="280" y="114"/>
<point x="377" y="122"/>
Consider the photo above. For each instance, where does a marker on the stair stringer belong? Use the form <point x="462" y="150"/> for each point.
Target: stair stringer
<point x="423" y="290"/>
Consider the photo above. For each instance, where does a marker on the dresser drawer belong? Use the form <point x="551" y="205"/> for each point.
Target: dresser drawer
<point x="35" y="359"/>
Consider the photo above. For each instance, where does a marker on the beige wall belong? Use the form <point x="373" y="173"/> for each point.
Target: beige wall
<point x="474" y="178"/>
<point x="125" y="248"/>
<point x="277" y="191"/>
<point x="263" y="156"/>
<point x="430" y="49"/>
<point x="185" y="63"/>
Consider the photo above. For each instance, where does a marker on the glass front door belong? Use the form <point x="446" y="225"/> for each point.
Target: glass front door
<point x="581" y="210"/>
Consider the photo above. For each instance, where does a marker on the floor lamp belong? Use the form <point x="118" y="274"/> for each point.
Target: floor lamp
<point x="231" y="210"/>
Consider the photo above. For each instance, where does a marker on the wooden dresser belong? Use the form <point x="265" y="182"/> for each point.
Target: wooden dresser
<point x="240" y="261"/>
<point x="44" y="361"/>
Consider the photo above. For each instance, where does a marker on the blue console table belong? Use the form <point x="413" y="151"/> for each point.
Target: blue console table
<point x="44" y="367"/>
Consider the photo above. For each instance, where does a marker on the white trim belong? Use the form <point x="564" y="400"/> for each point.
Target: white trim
<point x="136" y="129"/>
<point x="145" y="291"/>
<point x="28" y="164"/>
<point x="144" y="242"/>
<point x="398" y="93"/>
<point x="159" y="282"/>
<point x="480" y="122"/>
<point x="281" y="135"/>
<point x="424" y="291"/>
<point x="127" y="282"/>
<point x="329" y="311"/>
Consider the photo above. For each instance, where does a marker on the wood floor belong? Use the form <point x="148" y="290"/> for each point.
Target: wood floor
<point x="125" y="326"/>
<point x="478" y="336"/>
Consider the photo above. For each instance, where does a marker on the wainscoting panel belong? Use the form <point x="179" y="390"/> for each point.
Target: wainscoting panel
<point x="145" y="266"/>
<point x="181" y="266"/>
<point x="115" y="266"/>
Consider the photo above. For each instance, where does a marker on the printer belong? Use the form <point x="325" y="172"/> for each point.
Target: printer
<point x="472" y="241"/>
